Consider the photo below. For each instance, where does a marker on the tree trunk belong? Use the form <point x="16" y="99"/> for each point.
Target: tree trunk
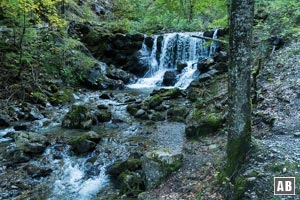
<point x="239" y="83"/>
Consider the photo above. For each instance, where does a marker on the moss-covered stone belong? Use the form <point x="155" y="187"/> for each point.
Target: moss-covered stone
<point x="154" y="101"/>
<point x="177" y="113"/>
<point x="103" y="115"/>
<point x="159" y="164"/>
<point x="128" y="177"/>
<point x="38" y="98"/>
<point x="78" y="117"/>
<point x="133" y="108"/>
<point x="204" y="125"/>
<point x="118" y="167"/>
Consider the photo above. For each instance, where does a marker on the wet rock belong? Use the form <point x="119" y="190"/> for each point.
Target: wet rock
<point x="203" y="66"/>
<point x="106" y="95"/>
<point x="102" y="107"/>
<point x="140" y="113"/>
<point x="297" y="134"/>
<point x="119" y="74"/>
<point x="103" y="115"/>
<point x="158" y="164"/>
<point x="81" y="145"/>
<point x="85" y="142"/>
<point x="98" y="80"/>
<point x="30" y="142"/>
<point x="37" y="172"/>
<point x="78" y="117"/>
<point x="15" y="155"/>
<point x="169" y="78"/>
<point x="4" y="121"/>
<point x="181" y="66"/>
<point x="133" y="108"/>
<point x="22" y="127"/>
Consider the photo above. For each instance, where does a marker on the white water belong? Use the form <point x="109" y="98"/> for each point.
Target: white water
<point x="73" y="183"/>
<point x="175" y="47"/>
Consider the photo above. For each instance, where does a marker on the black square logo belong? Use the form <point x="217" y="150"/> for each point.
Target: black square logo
<point x="284" y="185"/>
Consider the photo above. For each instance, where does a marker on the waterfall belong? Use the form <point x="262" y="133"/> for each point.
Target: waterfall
<point x="165" y="54"/>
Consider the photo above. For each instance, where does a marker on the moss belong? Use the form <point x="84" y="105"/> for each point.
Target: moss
<point x="61" y="97"/>
<point x="154" y="101"/>
<point x="213" y="120"/>
<point x="237" y="149"/>
<point x="39" y="98"/>
<point x="78" y="117"/>
<point x="133" y="108"/>
<point x="240" y="187"/>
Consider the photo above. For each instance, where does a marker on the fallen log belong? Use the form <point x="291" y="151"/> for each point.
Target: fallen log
<point x="208" y="38"/>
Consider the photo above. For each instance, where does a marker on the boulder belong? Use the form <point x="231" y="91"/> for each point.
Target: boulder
<point x="4" y="121"/>
<point x="119" y="74"/>
<point x="159" y="164"/>
<point x="169" y="78"/>
<point x="154" y="101"/>
<point x="205" y="125"/>
<point x="86" y="142"/>
<point x="177" y="113"/>
<point x="181" y="66"/>
<point x="78" y="117"/>
<point x="37" y="171"/>
<point x="103" y="115"/>
<point x="221" y="56"/>
<point x="221" y="67"/>
<point x="203" y="66"/>
<point x="128" y="176"/>
<point x="31" y="143"/>
<point x="97" y="80"/>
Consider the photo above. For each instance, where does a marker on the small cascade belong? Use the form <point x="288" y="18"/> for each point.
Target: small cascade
<point x="75" y="177"/>
<point x="165" y="54"/>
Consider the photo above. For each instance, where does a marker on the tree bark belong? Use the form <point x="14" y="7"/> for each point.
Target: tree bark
<point x="239" y="83"/>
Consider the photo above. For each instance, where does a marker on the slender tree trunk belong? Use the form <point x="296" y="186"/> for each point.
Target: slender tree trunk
<point x="239" y="82"/>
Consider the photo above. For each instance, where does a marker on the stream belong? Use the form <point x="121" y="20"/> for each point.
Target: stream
<point x="59" y="173"/>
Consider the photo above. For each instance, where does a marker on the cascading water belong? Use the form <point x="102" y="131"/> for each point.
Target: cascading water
<point x="174" y="48"/>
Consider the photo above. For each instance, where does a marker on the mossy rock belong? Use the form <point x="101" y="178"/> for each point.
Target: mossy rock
<point x="85" y="142"/>
<point x="133" y="108"/>
<point x="131" y="183"/>
<point x="159" y="164"/>
<point x="177" y="113"/>
<point x="118" y="167"/>
<point x="128" y="177"/>
<point x="78" y="117"/>
<point x="103" y="115"/>
<point x="154" y="101"/>
<point x="205" y="125"/>
<point x="38" y="98"/>
<point x="168" y="93"/>
<point x="61" y="97"/>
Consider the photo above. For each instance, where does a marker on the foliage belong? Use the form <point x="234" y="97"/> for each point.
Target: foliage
<point x="283" y="18"/>
<point x="175" y="15"/>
